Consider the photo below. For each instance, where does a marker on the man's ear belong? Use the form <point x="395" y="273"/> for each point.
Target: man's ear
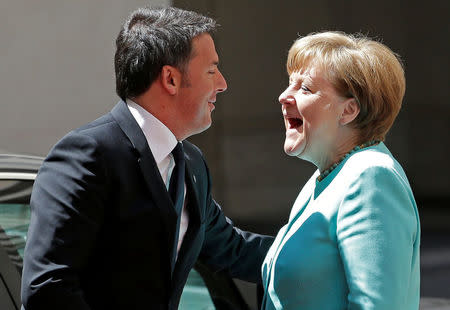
<point x="350" y="111"/>
<point x="170" y="79"/>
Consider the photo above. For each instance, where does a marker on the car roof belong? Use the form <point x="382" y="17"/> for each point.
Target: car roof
<point x="18" y="166"/>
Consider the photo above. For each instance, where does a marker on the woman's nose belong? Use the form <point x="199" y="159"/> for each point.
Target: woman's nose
<point x="285" y="97"/>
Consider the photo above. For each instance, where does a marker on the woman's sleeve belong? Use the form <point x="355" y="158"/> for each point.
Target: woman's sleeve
<point x="378" y="236"/>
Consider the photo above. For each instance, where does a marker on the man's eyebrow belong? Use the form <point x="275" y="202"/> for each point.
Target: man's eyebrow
<point x="215" y="63"/>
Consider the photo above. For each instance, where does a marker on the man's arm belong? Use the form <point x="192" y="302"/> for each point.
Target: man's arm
<point x="228" y="248"/>
<point x="66" y="212"/>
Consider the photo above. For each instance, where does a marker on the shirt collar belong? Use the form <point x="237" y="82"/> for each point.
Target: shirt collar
<point x="159" y="138"/>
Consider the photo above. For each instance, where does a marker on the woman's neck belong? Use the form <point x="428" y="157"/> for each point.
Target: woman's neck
<point x="336" y="152"/>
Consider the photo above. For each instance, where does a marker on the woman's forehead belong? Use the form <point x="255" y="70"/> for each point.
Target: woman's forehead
<point x="309" y="71"/>
<point x="314" y="69"/>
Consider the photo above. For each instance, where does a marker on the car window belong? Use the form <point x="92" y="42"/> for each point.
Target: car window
<point x="195" y="294"/>
<point x="15" y="191"/>
<point x="15" y="219"/>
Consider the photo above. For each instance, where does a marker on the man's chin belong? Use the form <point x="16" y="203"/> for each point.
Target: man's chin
<point x="204" y="127"/>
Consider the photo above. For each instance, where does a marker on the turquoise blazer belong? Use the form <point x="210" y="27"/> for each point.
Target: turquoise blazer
<point x="352" y="241"/>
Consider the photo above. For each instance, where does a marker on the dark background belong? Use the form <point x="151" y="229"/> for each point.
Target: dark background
<point x="254" y="180"/>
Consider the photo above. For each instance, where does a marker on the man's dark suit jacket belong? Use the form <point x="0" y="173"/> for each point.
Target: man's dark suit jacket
<point x="102" y="225"/>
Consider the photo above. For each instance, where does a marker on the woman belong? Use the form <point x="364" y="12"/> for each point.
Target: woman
<point x="353" y="236"/>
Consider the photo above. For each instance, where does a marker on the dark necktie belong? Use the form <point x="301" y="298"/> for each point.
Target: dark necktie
<point x="176" y="192"/>
<point x="176" y="185"/>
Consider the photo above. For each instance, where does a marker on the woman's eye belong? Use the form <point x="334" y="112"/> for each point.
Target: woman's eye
<point x="305" y="88"/>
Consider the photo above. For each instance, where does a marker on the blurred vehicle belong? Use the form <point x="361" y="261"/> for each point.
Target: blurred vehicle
<point x="203" y="290"/>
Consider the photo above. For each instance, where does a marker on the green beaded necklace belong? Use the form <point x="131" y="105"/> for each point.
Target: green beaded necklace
<point x="355" y="149"/>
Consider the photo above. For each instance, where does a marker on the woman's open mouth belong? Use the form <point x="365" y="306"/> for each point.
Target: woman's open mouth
<point x="294" y="122"/>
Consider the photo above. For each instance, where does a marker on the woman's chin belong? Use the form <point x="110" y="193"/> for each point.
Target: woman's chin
<point x="293" y="149"/>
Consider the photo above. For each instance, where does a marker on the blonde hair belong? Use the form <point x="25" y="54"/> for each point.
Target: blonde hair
<point x="357" y="67"/>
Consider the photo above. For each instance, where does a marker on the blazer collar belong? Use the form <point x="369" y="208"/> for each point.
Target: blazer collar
<point x="160" y="138"/>
<point x="129" y="126"/>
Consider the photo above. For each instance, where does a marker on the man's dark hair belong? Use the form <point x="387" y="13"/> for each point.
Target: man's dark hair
<point x="152" y="38"/>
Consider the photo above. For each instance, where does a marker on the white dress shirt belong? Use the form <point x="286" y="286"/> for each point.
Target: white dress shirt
<point x="161" y="141"/>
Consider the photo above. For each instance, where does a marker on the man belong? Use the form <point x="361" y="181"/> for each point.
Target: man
<point x="115" y="224"/>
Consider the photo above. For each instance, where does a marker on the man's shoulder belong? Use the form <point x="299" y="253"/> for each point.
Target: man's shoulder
<point x="101" y="132"/>
<point x="104" y="128"/>
<point x="191" y="150"/>
<point x="97" y="125"/>
<point x="194" y="158"/>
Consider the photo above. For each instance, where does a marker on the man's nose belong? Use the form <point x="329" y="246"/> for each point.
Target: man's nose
<point x="221" y="83"/>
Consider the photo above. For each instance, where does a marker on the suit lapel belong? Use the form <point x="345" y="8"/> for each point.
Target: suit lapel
<point x="149" y="169"/>
<point x="145" y="158"/>
<point x="158" y="191"/>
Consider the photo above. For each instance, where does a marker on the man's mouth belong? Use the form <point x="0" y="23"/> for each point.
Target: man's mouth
<point x="294" y="122"/>
<point x="211" y="105"/>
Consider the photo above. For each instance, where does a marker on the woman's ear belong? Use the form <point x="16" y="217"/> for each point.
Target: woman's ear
<point x="350" y="111"/>
<point x="170" y="79"/>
